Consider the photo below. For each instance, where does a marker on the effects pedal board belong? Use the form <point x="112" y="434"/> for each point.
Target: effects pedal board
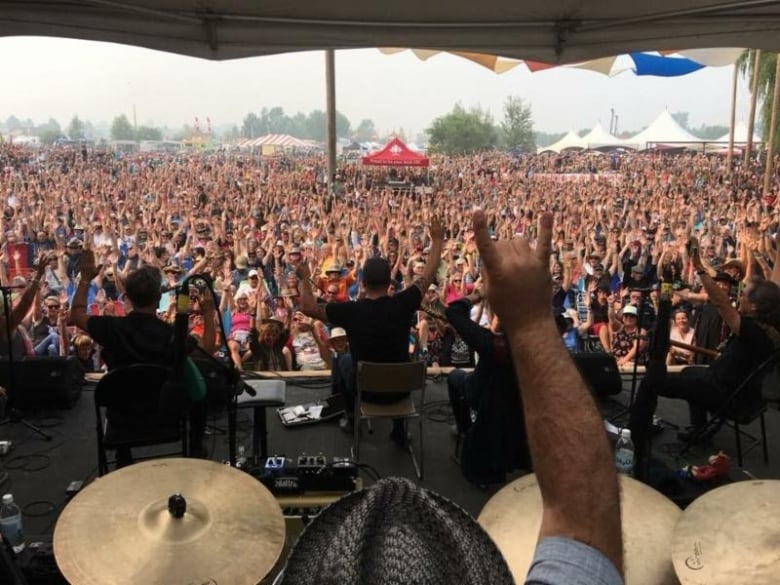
<point x="307" y="473"/>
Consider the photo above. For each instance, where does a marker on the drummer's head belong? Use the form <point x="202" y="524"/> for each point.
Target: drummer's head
<point x="143" y="288"/>
<point x="360" y="539"/>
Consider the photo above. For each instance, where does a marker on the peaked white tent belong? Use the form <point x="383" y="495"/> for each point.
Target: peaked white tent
<point x="663" y="130"/>
<point x="598" y="138"/>
<point x="571" y="141"/>
<point x="740" y="135"/>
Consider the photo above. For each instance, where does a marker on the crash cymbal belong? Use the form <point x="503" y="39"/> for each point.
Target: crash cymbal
<point x="730" y="535"/>
<point x="121" y="530"/>
<point x="513" y="516"/>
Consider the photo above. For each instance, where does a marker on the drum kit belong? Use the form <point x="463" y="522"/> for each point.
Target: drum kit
<point x="193" y="521"/>
<point x="728" y="536"/>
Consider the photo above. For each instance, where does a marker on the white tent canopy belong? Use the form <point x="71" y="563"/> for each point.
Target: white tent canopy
<point x="740" y="135"/>
<point x="598" y="137"/>
<point x="571" y="141"/>
<point x="663" y="130"/>
<point x="549" y="31"/>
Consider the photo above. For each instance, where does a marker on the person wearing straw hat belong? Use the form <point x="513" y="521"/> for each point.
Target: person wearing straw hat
<point x="396" y="532"/>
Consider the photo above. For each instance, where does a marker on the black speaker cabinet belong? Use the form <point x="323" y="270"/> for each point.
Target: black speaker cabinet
<point x="601" y="373"/>
<point x="43" y="382"/>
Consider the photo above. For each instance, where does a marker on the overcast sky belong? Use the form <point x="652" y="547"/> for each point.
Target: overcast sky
<point x="43" y="77"/>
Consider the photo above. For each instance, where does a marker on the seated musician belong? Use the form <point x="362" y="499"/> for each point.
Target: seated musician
<point x="495" y="440"/>
<point x="140" y="337"/>
<point x="755" y="335"/>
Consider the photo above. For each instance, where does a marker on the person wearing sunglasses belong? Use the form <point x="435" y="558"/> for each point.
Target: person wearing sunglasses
<point x="44" y="332"/>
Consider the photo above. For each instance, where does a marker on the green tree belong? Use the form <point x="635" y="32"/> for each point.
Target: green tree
<point x="250" y="128"/>
<point x="343" y="126"/>
<point x="518" y="125"/>
<point x="231" y="134"/>
<point x="462" y="131"/>
<point x="148" y="133"/>
<point x="121" y="129"/>
<point x="548" y="138"/>
<point x="76" y="129"/>
<point x="710" y="132"/>
<point x="766" y="86"/>
<point x="49" y="132"/>
<point x="365" y="131"/>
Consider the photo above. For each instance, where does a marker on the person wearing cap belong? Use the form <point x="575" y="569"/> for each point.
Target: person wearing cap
<point x="335" y="354"/>
<point x="377" y="325"/>
<point x="628" y="341"/>
<point x="333" y="277"/>
<point x="241" y="318"/>
<point x="359" y="539"/>
<point x="72" y="256"/>
<point x="755" y="328"/>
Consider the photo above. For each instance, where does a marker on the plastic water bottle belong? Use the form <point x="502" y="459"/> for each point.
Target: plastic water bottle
<point x="624" y="453"/>
<point x="241" y="458"/>
<point x="11" y="523"/>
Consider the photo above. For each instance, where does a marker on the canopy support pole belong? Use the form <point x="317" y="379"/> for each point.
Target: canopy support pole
<point x="732" y="118"/>
<point x="753" y="100"/>
<point x="330" y="101"/>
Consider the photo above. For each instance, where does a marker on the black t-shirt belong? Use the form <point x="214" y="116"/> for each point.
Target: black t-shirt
<point x="743" y="354"/>
<point x="377" y="329"/>
<point x="134" y="339"/>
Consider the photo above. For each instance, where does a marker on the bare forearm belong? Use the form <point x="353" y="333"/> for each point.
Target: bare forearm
<point x="208" y="341"/>
<point x="432" y="264"/>
<point x="29" y="295"/>
<point x="78" y="310"/>
<point x="562" y="425"/>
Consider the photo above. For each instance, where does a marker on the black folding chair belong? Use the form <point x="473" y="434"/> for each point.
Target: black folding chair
<point x="128" y="413"/>
<point x="748" y="402"/>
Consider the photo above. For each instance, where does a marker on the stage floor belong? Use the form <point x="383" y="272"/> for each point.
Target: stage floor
<point x="40" y="471"/>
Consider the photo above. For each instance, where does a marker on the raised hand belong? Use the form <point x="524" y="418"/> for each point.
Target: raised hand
<point x="437" y="228"/>
<point x="87" y="265"/>
<point x="520" y="285"/>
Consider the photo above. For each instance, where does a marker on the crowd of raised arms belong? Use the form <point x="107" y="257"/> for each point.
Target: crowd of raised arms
<point x="622" y="223"/>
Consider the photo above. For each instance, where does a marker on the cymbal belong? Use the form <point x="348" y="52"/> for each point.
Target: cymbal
<point x="119" y="529"/>
<point x="513" y="517"/>
<point x="730" y="535"/>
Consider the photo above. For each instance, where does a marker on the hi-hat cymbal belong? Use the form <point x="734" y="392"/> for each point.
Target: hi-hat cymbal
<point x="730" y="535"/>
<point x="513" y="516"/>
<point x="120" y="531"/>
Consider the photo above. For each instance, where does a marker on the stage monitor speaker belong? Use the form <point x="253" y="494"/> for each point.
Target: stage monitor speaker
<point x="600" y="372"/>
<point x="44" y="382"/>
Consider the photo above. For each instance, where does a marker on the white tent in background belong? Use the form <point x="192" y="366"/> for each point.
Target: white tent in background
<point x="571" y="141"/>
<point x="598" y="138"/>
<point x="664" y="131"/>
<point x="740" y="135"/>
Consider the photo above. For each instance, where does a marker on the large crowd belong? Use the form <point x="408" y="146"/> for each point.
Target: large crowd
<point x="623" y="227"/>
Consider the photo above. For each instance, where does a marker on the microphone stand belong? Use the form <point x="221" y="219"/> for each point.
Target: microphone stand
<point x="234" y="376"/>
<point x="13" y="415"/>
<point x="634" y="373"/>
